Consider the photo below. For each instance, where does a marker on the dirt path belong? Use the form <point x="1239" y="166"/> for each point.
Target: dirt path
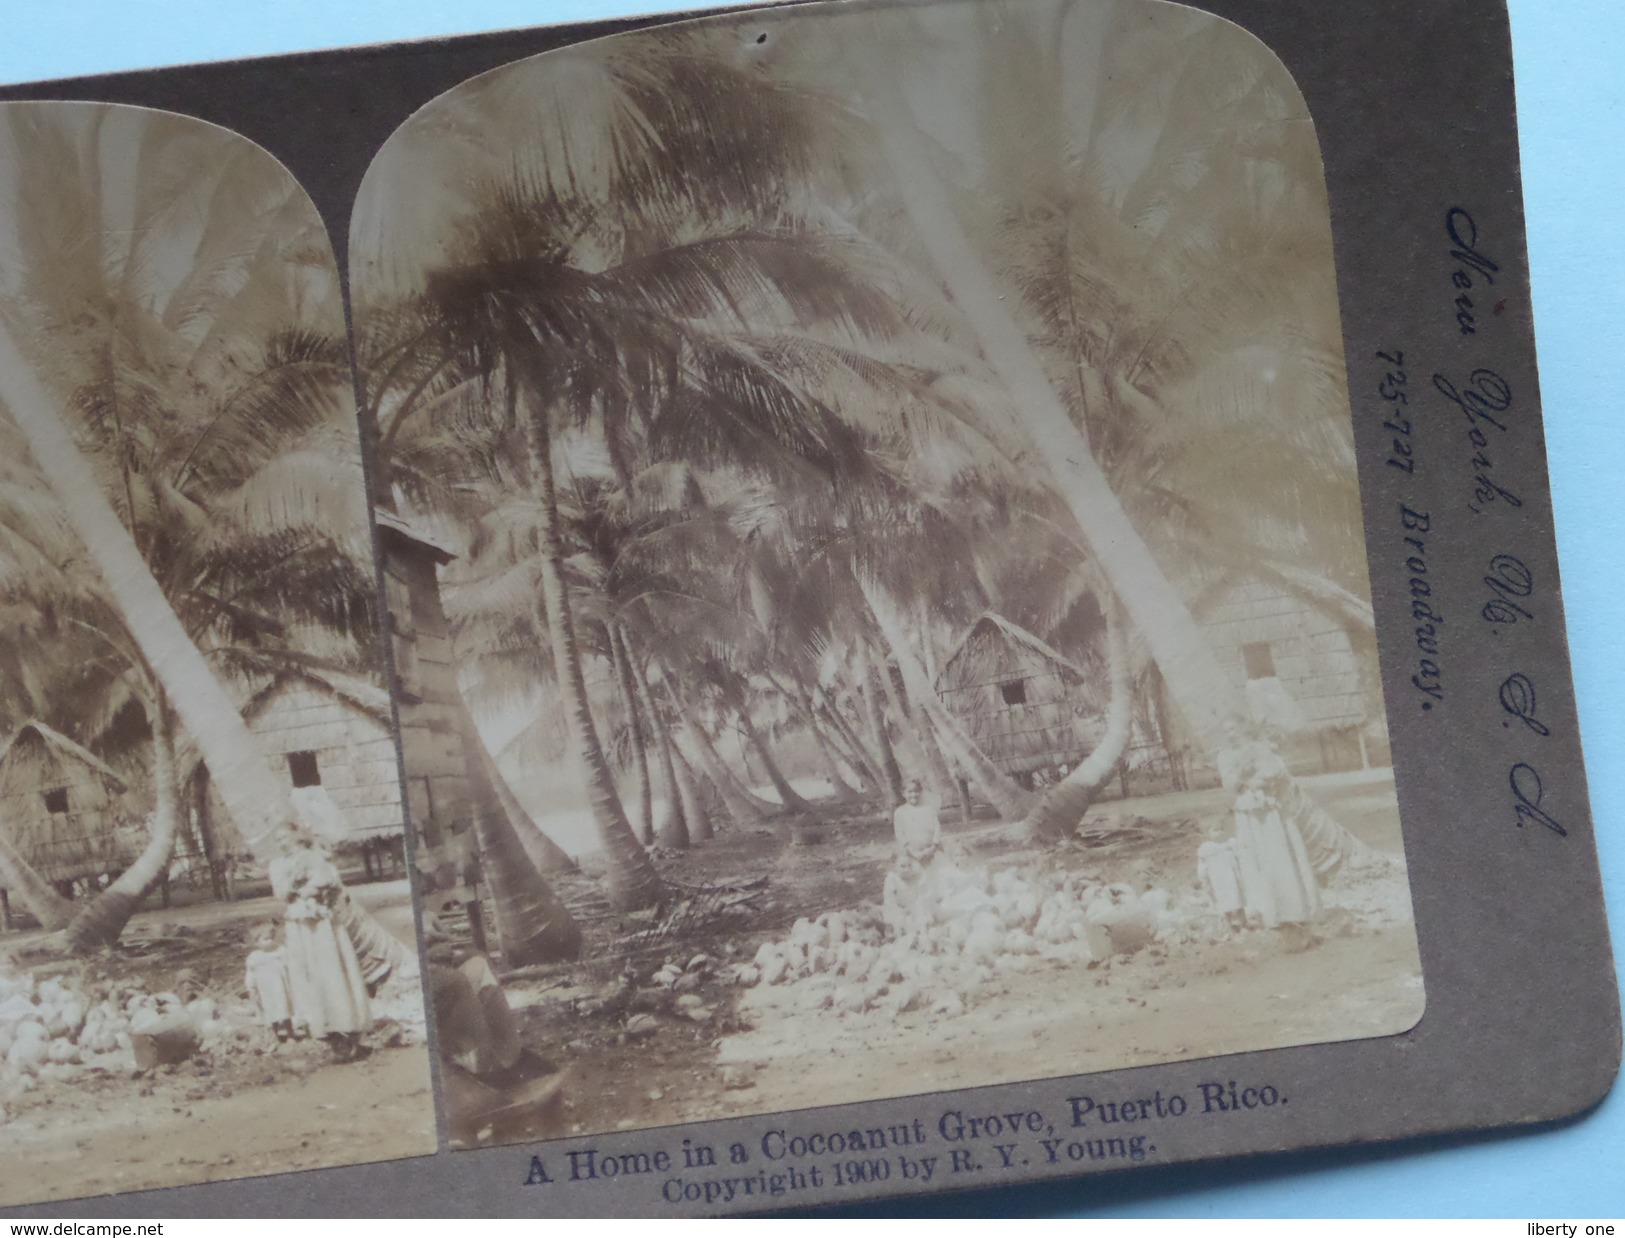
<point x="185" y="1127"/>
<point x="246" y="1109"/>
<point x="1053" y="1021"/>
<point x="765" y="1050"/>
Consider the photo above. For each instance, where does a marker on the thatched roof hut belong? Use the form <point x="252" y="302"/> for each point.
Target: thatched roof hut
<point x="1025" y="704"/>
<point x="1297" y="652"/>
<point x="60" y="806"/>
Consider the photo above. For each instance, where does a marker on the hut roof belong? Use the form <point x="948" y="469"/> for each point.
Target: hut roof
<point x="62" y="746"/>
<point x="992" y="622"/>
<point x="353" y="690"/>
<point x="1347" y="609"/>
<point x="394" y="527"/>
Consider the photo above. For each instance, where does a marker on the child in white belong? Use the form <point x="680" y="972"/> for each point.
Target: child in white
<point x="907" y="895"/>
<point x="267" y="982"/>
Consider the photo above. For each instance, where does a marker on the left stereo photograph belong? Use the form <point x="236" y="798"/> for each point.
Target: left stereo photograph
<point x="208" y="966"/>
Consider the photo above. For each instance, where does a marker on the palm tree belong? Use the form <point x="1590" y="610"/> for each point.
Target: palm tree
<point x="184" y="349"/>
<point x="643" y="350"/>
<point x="1057" y="813"/>
<point x="1155" y="605"/>
<point x="1114" y="542"/>
<point x="597" y="305"/>
<point x="256" y="799"/>
<point x="633" y="702"/>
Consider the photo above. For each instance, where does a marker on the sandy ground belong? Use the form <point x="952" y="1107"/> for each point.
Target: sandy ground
<point x="1154" y="1007"/>
<point x="199" y="1124"/>
<point x="260" y="1110"/>
<point x="763" y="1051"/>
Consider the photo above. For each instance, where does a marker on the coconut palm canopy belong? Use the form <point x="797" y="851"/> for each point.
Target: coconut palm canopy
<point x="755" y="359"/>
<point x="182" y="503"/>
<point x="200" y="345"/>
<point x="748" y="364"/>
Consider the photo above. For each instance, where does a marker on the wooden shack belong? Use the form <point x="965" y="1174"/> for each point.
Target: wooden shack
<point x="1298" y="660"/>
<point x="1025" y="705"/>
<point x="437" y="774"/>
<point x="62" y="807"/>
<point x="468" y="828"/>
<point x="324" y="730"/>
<point x="1261" y="630"/>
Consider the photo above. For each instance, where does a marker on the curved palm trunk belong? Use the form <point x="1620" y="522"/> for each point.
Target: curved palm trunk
<point x="891" y="772"/>
<point x="256" y="799"/>
<point x="851" y="779"/>
<point x="1001" y="790"/>
<point x="696" y="811"/>
<point x="840" y="775"/>
<point x="205" y="831"/>
<point x="951" y="781"/>
<point x="746" y="811"/>
<point x="914" y="744"/>
<point x="788" y="795"/>
<point x="922" y="745"/>
<point x="632" y="880"/>
<point x="1330" y="846"/>
<point x="1061" y="809"/>
<point x="673" y="830"/>
<point x="857" y="755"/>
<point x="533" y="924"/>
<point x="682" y="824"/>
<point x="832" y="759"/>
<point x="35" y="893"/>
<point x="621" y="657"/>
<point x="725" y="773"/>
<point x="102" y="920"/>
<point x="742" y="801"/>
<point x="548" y="857"/>
<point x="939" y="758"/>
<point x="863" y="775"/>
<point x="1196" y="681"/>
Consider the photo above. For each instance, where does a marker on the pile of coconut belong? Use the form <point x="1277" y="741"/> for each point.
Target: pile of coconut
<point x="965" y="928"/>
<point x="53" y="1032"/>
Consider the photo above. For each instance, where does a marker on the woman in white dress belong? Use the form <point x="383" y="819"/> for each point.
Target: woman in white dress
<point x="1278" y="885"/>
<point x="1277" y="881"/>
<point x="325" y="983"/>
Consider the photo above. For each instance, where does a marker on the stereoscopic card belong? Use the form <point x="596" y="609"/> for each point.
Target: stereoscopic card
<point x="958" y="593"/>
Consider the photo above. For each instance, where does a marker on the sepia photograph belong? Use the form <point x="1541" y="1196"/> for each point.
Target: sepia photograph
<point x="874" y="564"/>
<point x="208" y="963"/>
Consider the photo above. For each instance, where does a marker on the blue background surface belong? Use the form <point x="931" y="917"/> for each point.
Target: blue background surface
<point x="1570" y="66"/>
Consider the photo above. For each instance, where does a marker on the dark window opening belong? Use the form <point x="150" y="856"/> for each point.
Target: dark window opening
<point x="1260" y="661"/>
<point x="1014" y="692"/>
<point x="302" y="765"/>
<point x="57" y="800"/>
